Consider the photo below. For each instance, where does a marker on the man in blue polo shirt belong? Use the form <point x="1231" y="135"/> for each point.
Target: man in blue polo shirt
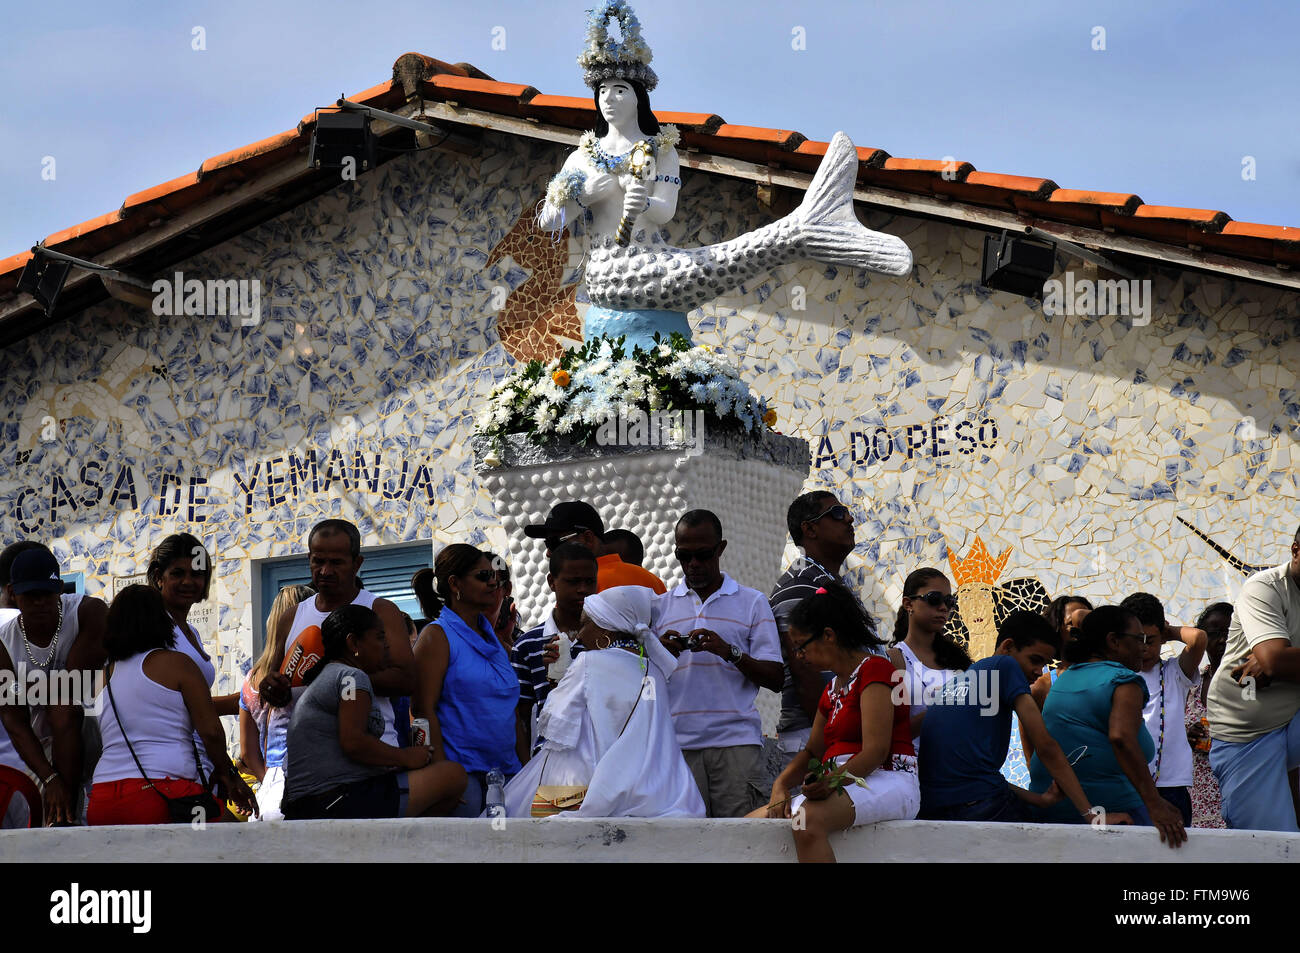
<point x="967" y="731"/>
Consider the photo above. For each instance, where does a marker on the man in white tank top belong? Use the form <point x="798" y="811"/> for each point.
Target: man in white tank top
<point x="43" y="635"/>
<point x="334" y="552"/>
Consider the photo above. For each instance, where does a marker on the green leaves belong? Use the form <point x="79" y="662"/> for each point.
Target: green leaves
<point x="835" y="780"/>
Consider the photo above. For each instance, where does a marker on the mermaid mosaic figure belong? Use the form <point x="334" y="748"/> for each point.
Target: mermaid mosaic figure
<point x="623" y="180"/>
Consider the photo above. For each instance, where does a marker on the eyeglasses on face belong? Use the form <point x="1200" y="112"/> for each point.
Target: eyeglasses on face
<point x="837" y="512"/>
<point x="798" y="649"/>
<point x="486" y="575"/>
<point x="685" y="556"/>
<point x="934" y="599"/>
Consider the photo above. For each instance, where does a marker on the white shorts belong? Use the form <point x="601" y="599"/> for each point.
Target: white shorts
<point x="269" y="794"/>
<point x="889" y="795"/>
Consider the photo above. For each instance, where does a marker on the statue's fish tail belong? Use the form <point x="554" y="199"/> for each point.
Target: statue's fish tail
<point x="829" y="228"/>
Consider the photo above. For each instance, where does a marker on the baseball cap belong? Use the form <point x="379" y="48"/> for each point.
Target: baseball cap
<point x="564" y="518"/>
<point x="35" y="569"/>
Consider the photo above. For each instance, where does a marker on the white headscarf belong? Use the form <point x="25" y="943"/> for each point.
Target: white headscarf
<point x="630" y="610"/>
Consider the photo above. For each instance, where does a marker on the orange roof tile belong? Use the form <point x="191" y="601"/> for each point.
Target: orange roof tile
<point x="781" y="138"/>
<point x="915" y="175"/>
<point x="992" y="189"/>
<point x="866" y="155"/>
<point x="1281" y="233"/>
<point x="262" y="147"/>
<point x="684" y="121"/>
<point x="1077" y="207"/>
<point x="15" y="262"/>
<point x="160" y="191"/>
<point x="85" y="228"/>
<point x="507" y="99"/>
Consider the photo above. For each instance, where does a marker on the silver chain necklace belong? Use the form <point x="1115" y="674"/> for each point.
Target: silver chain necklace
<point x="54" y="643"/>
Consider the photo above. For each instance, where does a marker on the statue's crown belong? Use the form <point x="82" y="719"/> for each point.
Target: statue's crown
<point x="604" y="58"/>
<point x="978" y="566"/>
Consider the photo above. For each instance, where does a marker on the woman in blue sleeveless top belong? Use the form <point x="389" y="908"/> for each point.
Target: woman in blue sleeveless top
<point x="466" y="687"/>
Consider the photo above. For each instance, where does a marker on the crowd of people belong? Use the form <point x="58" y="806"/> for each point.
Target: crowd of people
<point x="632" y="699"/>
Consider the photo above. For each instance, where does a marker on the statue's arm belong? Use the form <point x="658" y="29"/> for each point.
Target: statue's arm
<point x="663" y="191"/>
<point x="560" y="207"/>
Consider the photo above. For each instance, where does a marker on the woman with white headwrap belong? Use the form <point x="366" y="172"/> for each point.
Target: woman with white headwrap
<point x="610" y="749"/>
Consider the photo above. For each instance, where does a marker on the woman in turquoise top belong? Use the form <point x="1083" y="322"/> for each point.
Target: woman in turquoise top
<point x="466" y="686"/>
<point x="1094" y="712"/>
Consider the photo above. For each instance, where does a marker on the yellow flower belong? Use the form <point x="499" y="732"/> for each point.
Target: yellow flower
<point x="561" y="378"/>
<point x="769" y="418"/>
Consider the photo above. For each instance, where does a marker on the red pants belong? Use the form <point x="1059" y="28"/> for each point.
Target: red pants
<point x="133" y="802"/>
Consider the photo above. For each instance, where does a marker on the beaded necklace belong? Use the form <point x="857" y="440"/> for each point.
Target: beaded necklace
<point x="1161" y="748"/>
<point x="632" y="645"/>
<point x="622" y="163"/>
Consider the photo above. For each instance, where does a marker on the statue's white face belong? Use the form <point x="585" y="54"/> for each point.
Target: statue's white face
<point x="617" y="102"/>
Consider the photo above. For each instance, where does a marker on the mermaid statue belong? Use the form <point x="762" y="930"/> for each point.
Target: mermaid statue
<point x="622" y="182"/>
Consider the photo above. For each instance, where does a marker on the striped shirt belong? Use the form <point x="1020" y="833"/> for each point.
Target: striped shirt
<point x="526" y="657"/>
<point x="712" y="700"/>
<point x="797" y="583"/>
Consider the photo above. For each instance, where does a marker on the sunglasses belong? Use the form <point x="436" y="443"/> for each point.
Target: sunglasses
<point x="685" y="556"/>
<point x="837" y="512"/>
<point x="1141" y="637"/>
<point x="556" y="541"/>
<point x="934" y="599"/>
<point x="486" y="575"/>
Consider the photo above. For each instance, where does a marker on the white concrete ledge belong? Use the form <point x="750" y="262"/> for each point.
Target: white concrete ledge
<point x="629" y="840"/>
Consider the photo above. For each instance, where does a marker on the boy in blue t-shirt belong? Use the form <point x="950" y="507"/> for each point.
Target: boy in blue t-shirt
<point x="967" y="731"/>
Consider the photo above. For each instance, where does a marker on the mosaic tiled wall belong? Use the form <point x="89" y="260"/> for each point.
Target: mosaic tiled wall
<point x="1071" y="447"/>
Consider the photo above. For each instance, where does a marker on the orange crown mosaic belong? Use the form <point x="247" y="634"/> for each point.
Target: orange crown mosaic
<point x="978" y="566"/>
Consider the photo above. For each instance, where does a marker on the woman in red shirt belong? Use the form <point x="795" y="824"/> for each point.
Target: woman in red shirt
<point x="861" y="727"/>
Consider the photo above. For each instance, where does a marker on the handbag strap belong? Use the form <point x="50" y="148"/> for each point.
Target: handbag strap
<point x="198" y="765"/>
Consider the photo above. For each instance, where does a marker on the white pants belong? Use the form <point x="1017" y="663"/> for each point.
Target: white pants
<point x="269" y="794"/>
<point x="889" y="795"/>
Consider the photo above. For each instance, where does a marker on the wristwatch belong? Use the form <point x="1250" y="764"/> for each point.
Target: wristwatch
<point x="736" y="655"/>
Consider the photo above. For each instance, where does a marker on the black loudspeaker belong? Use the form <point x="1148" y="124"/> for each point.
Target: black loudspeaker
<point x="1017" y="265"/>
<point x="43" y="278"/>
<point x="342" y="135"/>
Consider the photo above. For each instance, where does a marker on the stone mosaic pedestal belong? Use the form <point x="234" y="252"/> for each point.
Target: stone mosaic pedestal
<point x="747" y="482"/>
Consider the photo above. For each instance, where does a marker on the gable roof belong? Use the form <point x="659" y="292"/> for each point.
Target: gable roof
<point x="233" y="191"/>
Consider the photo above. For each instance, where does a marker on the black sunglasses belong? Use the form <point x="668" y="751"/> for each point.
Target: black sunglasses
<point x="486" y="575"/>
<point x="837" y="512"/>
<point x="685" y="556"/>
<point x="556" y="541"/>
<point x="934" y="599"/>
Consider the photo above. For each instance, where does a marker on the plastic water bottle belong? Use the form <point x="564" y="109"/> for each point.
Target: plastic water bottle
<point x="496" y="793"/>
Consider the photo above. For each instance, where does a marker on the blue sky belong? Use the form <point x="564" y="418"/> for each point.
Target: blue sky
<point x="1180" y="95"/>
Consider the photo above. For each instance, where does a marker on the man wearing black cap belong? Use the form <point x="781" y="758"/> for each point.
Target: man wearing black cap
<point x="577" y="522"/>
<point x="38" y="639"/>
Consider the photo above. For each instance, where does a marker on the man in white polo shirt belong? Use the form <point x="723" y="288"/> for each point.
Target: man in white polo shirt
<point x="725" y="637"/>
